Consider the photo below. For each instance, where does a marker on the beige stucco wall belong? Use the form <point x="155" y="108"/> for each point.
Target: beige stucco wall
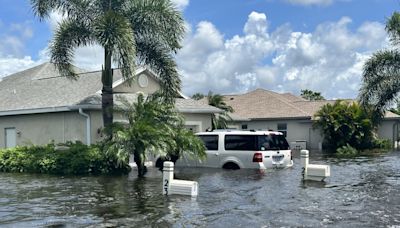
<point x="303" y="130"/>
<point x="386" y="129"/>
<point x="296" y="130"/>
<point x="203" y="121"/>
<point x="69" y="126"/>
<point x="152" y="86"/>
<point x="42" y="128"/>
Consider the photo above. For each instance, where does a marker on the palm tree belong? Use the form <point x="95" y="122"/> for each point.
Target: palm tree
<point x="219" y="121"/>
<point x="130" y="31"/>
<point x="381" y="76"/>
<point x="153" y="127"/>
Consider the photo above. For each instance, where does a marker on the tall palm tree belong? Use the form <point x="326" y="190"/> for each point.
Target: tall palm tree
<point x="130" y="31"/>
<point x="219" y="121"/>
<point x="381" y="76"/>
<point x="153" y="127"/>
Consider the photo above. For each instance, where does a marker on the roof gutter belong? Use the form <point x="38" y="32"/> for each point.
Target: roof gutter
<point x="88" y="127"/>
<point x="34" y="111"/>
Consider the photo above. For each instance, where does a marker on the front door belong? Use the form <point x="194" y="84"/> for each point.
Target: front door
<point x="11" y="137"/>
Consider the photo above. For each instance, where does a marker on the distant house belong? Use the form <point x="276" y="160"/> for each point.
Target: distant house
<point x="37" y="105"/>
<point x="292" y="115"/>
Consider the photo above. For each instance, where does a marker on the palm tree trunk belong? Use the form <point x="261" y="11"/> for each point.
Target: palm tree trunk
<point x="139" y="160"/>
<point x="107" y="100"/>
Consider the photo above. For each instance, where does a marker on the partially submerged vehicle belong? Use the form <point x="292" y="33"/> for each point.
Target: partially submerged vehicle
<point x="235" y="149"/>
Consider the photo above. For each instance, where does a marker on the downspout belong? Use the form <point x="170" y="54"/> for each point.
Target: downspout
<point x="88" y="135"/>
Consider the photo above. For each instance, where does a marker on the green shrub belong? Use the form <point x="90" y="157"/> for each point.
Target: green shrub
<point x="345" y="123"/>
<point x="76" y="158"/>
<point x="385" y="144"/>
<point x="346" y="151"/>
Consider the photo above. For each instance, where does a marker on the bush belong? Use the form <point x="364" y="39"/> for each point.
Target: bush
<point x="385" y="144"/>
<point x="346" y="151"/>
<point x="76" y="158"/>
<point x="345" y="123"/>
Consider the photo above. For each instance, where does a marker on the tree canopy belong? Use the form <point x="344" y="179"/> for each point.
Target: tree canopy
<point x="219" y="121"/>
<point x="311" y="95"/>
<point x="154" y="127"/>
<point x="345" y="123"/>
<point x="381" y="76"/>
<point x="130" y="31"/>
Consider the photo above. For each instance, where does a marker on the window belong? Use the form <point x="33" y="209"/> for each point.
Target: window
<point x="282" y="127"/>
<point x="244" y="126"/>
<point x="210" y="141"/>
<point x="272" y="142"/>
<point x="240" y="142"/>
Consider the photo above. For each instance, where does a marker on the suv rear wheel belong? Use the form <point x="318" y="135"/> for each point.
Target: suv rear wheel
<point x="230" y="165"/>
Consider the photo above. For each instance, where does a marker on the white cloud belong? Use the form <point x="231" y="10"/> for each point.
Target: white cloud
<point x="10" y="65"/>
<point x="181" y="4"/>
<point x="310" y="2"/>
<point x="329" y="59"/>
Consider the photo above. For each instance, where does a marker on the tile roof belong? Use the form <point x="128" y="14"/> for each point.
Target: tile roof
<point x="42" y="87"/>
<point x="265" y="104"/>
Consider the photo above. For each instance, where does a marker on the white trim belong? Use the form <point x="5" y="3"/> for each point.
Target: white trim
<point x="122" y="80"/>
<point x="35" y="111"/>
<point x="195" y="123"/>
<point x="198" y="110"/>
<point x="88" y="127"/>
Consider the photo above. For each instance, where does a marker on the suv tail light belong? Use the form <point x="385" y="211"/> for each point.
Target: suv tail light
<point x="258" y="157"/>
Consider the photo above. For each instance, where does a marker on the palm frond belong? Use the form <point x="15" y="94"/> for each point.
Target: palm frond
<point x="77" y="9"/>
<point x="158" y="20"/>
<point x="381" y="79"/>
<point x="393" y="28"/>
<point x="70" y="35"/>
<point x="160" y="60"/>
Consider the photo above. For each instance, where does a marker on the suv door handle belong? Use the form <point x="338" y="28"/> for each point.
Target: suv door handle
<point x="216" y="154"/>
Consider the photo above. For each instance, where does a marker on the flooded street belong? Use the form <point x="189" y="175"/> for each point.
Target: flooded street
<point x="361" y="192"/>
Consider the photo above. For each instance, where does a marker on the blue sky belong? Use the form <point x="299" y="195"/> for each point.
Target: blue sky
<point x="233" y="46"/>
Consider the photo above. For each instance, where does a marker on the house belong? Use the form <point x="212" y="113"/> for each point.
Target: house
<point x="37" y="105"/>
<point x="292" y="115"/>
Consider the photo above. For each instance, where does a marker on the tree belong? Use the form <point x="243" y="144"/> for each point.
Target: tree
<point x="198" y="96"/>
<point x="381" y="77"/>
<point x="154" y="127"/>
<point x="345" y="123"/>
<point x="219" y="121"/>
<point x="311" y="95"/>
<point x="130" y="31"/>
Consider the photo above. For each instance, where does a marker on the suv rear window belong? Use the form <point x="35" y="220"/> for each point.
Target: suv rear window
<point x="210" y="141"/>
<point x="256" y="142"/>
<point x="240" y="142"/>
<point x="272" y="142"/>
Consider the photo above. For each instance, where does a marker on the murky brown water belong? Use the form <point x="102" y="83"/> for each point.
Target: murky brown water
<point x="362" y="192"/>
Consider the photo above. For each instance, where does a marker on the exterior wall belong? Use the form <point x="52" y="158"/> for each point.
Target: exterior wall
<point x="42" y="128"/>
<point x="296" y="130"/>
<point x="388" y="130"/>
<point x="203" y="121"/>
<point x="152" y="86"/>
<point x="303" y="130"/>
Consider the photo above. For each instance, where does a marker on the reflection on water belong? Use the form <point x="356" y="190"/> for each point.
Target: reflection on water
<point x="361" y="192"/>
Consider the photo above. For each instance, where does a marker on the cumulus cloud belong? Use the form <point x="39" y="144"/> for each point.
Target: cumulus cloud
<point x="181" y="4"/>
<point x="329" y="59"/>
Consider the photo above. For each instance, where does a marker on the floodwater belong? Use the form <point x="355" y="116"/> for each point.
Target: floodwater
<point x="362" y="192"/>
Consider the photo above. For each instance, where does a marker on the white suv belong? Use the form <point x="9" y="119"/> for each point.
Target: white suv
<point x="234" y="149"/>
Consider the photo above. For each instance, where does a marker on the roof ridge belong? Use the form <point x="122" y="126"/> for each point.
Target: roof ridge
<point x="278" y="96"/>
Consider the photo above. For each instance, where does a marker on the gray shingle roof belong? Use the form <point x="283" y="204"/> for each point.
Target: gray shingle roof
<point x="41" y="87"/>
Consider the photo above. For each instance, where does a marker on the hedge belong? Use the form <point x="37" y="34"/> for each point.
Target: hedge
<point x="69" y="158"/>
